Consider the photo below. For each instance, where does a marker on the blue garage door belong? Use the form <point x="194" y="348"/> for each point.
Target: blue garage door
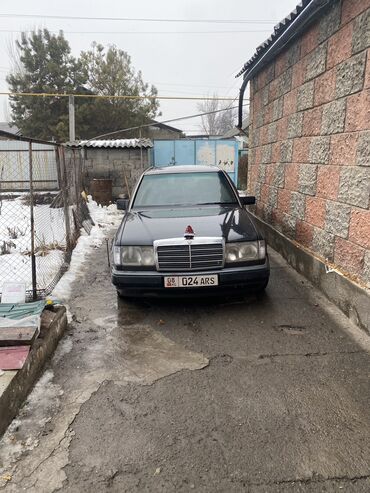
<point x="164" y="153"/>
<point x="222" y="153"/>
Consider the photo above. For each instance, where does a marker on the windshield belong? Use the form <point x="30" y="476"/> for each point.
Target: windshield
<point x="171" y="189"/>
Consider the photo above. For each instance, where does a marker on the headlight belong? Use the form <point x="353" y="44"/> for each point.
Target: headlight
<point x="133" y="256"/>
<point x="245" y="251"/>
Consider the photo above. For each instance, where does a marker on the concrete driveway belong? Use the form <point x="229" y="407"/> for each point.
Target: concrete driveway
<point x="268" y="395"/>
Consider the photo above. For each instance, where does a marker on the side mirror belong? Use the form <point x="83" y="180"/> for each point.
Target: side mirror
<point x="248" y="200"/>
<point x="122" y="204"/>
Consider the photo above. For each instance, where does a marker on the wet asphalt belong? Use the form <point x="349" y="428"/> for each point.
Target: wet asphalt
<point x="242" y="393"/>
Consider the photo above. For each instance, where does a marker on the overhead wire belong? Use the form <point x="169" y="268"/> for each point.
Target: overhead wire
<point x="110" y="96"/>
<point x="139" y="32"/>
<point x="163" y="122"/>
<point x="197" y="115"/>
<point x="138" y="19"/>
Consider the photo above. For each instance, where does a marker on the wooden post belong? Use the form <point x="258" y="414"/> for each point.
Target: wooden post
<point x="61" y="162"/>
<point x="32" y="218"/>
<point x="57" y="160"/>
<point x="126" y="181"/>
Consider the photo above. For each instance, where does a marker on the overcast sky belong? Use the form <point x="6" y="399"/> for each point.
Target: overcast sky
<point x="185" y="63"/>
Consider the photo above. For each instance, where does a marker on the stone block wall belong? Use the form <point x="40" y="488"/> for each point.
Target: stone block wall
<point x="114" y="164"/>
<point x="309" y="158"/>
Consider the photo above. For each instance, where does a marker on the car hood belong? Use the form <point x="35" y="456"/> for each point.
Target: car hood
<point x="143" y="227"/>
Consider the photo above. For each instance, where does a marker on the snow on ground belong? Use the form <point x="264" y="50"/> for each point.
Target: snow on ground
<point x="105" y="218"/>
<point x="50" y="241"/>
<point x="17" y="267"/>
<point x="15" y="239"/>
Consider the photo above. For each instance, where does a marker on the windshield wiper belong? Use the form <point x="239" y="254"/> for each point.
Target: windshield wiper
<point x="217" y="203"/>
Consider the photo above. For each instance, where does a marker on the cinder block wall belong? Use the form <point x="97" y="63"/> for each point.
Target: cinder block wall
<point x="310" y="139"/>
<point x="114" y="164"/>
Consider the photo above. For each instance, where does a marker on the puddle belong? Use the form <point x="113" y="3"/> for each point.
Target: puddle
<point x="147" y="355"/>
<point x="137" y="352"/>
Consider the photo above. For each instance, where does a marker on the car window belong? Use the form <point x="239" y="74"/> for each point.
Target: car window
<point x="171" y="189"/>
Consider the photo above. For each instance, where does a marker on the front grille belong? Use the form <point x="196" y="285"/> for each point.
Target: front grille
<point x="172" y="258"/>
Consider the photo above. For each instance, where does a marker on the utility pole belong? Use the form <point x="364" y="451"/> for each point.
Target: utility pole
<point x="71" y="113"/>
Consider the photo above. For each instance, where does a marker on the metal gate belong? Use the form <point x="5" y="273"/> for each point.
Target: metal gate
<point x="222" y="153"/>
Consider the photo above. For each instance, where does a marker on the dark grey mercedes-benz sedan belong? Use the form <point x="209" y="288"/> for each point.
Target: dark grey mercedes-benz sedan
<point x="186" y="231"/>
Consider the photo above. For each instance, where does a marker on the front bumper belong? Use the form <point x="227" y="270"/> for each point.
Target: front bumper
<point x="133" y="283"/>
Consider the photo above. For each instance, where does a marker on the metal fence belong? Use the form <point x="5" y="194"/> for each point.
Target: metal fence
<point x="44" y="171"/>
<point x="41" y="211"/>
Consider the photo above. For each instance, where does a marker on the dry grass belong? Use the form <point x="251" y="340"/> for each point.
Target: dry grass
<point x="6" y="247"/>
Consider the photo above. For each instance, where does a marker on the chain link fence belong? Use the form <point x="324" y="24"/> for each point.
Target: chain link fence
<point x="41" y="211"/>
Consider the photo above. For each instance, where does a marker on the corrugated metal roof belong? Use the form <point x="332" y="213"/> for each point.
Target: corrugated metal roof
<point x="113" y="143"/>
<point x="278" y="31"/>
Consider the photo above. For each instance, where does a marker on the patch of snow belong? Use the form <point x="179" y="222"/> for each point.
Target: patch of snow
<point x="15" y="231"/>
<point x="105" y="218"/>
<point x="16" y="267"/>
<point x="50" y="240"/>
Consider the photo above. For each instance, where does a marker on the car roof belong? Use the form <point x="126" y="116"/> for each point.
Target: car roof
<point x="188" y="168"/>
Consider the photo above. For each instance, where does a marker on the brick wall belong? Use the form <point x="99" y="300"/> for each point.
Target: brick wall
<point x="310" y="139"/>
<point x="114" y="164"/>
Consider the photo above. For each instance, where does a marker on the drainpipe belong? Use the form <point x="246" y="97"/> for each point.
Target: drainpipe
<point x="307" y="14"/>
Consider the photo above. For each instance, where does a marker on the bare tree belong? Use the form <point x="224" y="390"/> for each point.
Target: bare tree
<point x="216" y="123"/>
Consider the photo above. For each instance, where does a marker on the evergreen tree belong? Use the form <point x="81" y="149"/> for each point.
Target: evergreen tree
<point x="110" y="73"/>
<point x="45" y="65"/>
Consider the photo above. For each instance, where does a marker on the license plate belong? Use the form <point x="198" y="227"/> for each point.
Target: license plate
<point x="190" y="281"/>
